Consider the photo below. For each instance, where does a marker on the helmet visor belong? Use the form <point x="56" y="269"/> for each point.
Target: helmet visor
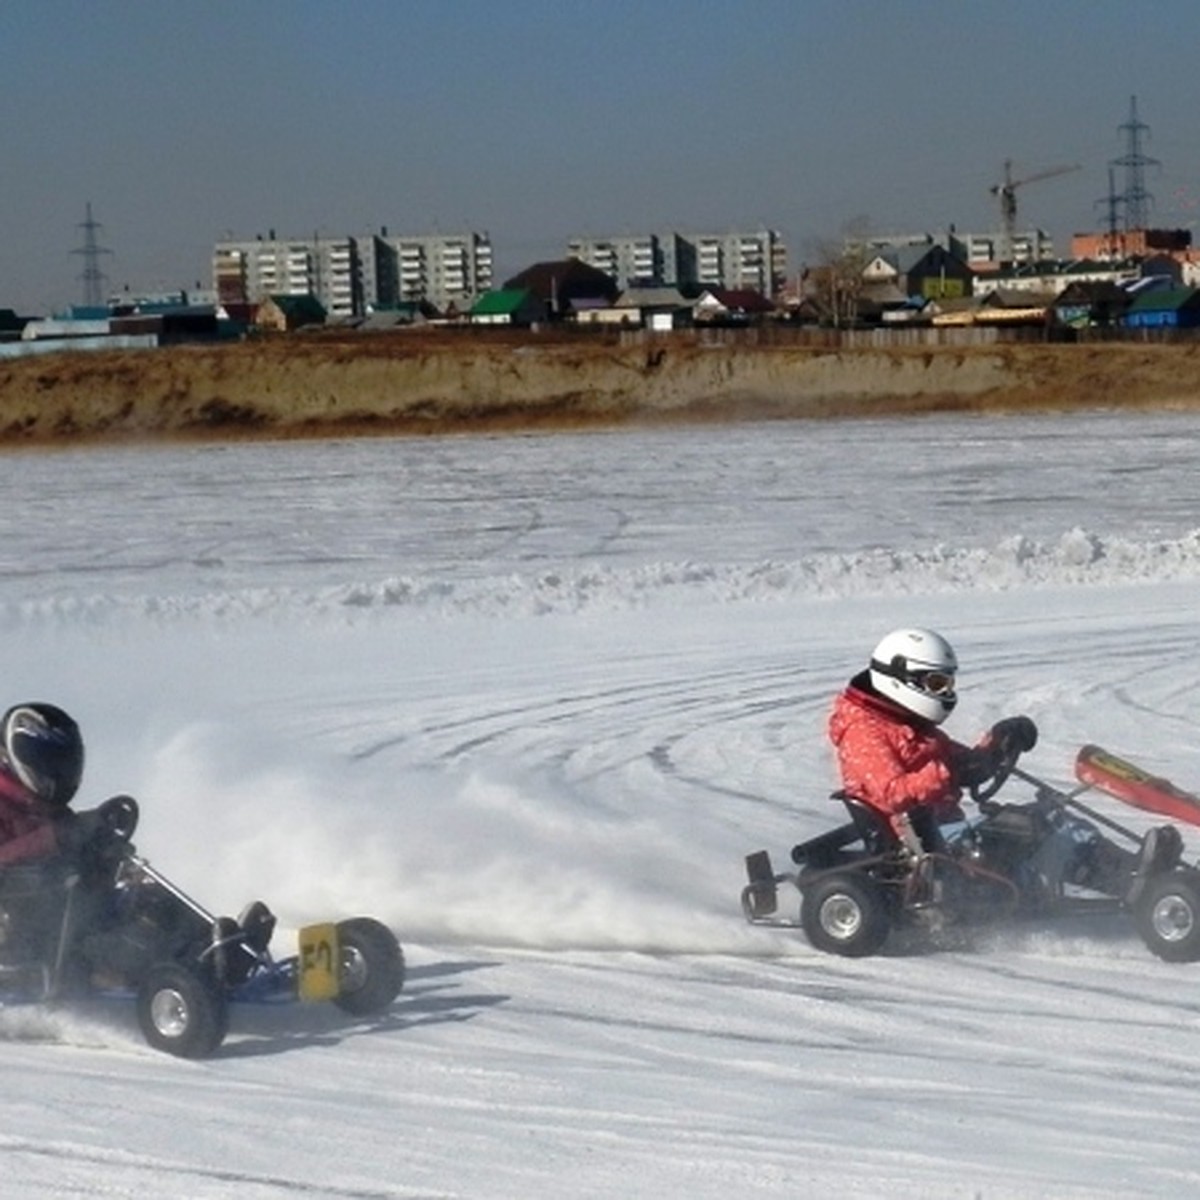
<point x="934" y="683"/>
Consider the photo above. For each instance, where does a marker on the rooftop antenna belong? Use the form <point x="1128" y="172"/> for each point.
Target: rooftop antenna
<point x="1137" y="200"/>
<point x="93" y="278"/>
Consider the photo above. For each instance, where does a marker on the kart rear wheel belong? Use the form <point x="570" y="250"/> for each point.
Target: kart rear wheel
<point x="371" y="972"/>
<point x="1168" y="916"/>
<point x="845" y="913"/>
<point x="180" y="1012"/>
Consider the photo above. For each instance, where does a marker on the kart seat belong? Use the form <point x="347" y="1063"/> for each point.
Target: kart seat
<point x="869" y="824"/>
<point x="865" y="825"/>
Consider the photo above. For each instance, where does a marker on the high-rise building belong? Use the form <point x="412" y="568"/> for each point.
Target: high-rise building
<point x="448" y="271"/>
<point x="352" y="275"/>
<point x="980" y="251"/>
<point x="755" y="260"/>
<point x="632" y="261"/>
<point x="244" y="272"/>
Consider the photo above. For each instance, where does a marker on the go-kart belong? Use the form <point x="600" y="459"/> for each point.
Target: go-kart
<point x="108" y="922"/>
<point x="858" y="882"/>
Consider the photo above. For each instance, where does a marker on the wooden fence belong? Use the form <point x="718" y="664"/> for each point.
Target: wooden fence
<point x="817" y="338"/>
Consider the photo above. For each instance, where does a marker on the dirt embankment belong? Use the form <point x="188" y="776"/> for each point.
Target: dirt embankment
<point x="430" y="383"/>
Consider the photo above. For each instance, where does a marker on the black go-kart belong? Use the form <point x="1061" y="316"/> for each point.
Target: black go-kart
<point x="108" y="923"/>
<point x="858" y="883"/>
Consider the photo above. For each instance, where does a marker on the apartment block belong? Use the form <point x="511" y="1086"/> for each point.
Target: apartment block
<point x="448" y="271"/>
<point x="989" y="250"/>
<point x="325" y="267"/>
<point x="756" y="259"/>
<point x="353" y="275"/>
<point x="636" y="260"/>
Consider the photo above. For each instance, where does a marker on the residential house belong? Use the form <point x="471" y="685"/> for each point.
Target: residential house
<point x="563" y="285"/>
<point x="284" y="314"/>
<point x="925" y="270"/>
<point x="397" y="316"/>
<point x="508" y="306"/>
<point x="731" y="306"/>
<point x="1089" y="303"/>
<point x="1164" y="308"/>
<point x="657" y="308"/>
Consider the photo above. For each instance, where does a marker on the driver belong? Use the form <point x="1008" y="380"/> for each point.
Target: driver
<point x="41" y="763"/>
<point x="895" y="758"/>
<point x="890" y="750"/>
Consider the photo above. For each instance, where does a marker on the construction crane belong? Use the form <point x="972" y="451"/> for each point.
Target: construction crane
<point x="1007" y="191"/>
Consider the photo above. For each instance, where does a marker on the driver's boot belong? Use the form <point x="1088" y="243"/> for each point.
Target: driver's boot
<point x="1105" y="868"/>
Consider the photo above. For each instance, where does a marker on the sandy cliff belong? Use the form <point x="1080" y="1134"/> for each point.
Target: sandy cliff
<point x="419" y="382"/>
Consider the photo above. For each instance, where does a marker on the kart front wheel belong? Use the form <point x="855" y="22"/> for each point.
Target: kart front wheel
<point x="845" y="914"/>
<point x="181" y="1012"/>
<point x="371" y="971"/>
<point x="1168" y="916"/>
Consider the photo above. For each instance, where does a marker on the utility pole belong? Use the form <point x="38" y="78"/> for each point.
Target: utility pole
<point x="93" y="278"/>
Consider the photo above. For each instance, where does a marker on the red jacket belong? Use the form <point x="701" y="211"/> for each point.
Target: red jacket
<point x="889" y="758"/>
<point x="26" y="826"/>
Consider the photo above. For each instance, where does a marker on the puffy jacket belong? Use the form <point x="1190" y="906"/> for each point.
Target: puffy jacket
<point x="27" y="828"/>
<point x="888" y="758"/>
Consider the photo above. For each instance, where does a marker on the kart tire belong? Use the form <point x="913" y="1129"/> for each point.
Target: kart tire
<point x="845" y="913"/>
<point x="371" y="971"/>
<point x="1168" y="916"/>
<point x="180" y="1012"/>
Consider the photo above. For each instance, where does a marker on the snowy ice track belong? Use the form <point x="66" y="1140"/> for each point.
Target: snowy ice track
<point x="530" y="701"/>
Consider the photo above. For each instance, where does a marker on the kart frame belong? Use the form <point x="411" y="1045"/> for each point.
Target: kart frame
<point x="128" y="930"/>
<point x="851" y="898"/>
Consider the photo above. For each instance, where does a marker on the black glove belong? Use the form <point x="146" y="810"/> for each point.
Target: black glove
<point x="1014" y="736"/>
<point x="975" y="766"/>
<point x="92" y="839"/>
<point x="77" y="833"/>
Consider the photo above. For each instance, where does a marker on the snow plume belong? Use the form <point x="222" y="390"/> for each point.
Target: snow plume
<point x="472" y="859"/>
<point x="247" y="818"/>
<point x="508" y="862"/>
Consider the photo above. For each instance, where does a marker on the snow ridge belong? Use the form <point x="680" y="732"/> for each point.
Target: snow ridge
<point x="1077" y="558"/>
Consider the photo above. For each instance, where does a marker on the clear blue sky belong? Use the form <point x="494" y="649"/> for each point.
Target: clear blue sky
<point x="184" y="122"/>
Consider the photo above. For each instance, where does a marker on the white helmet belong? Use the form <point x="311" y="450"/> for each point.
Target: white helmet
<point x="915" y="668"/>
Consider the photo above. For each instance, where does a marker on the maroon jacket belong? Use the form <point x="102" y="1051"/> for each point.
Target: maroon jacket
<point x="889" y="758"/>
<point x="27" y="826"/>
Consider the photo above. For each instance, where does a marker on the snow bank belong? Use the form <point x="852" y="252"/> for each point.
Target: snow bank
<point x="1078" y="558"/>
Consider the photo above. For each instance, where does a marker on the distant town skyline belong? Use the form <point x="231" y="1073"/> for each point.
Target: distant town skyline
<point x="189" y="123"/>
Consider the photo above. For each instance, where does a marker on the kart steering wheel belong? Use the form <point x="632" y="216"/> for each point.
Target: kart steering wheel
<point x="119" y="817"/>
<point x="981" y="793"/>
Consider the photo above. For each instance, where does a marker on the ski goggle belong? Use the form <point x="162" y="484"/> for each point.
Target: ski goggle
<point x="935" y="683"/>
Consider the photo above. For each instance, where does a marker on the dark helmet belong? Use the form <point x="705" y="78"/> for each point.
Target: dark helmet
<point x="42" y="748"/>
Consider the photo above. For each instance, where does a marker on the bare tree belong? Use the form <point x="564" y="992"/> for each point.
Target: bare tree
<point x="833" y="280"/>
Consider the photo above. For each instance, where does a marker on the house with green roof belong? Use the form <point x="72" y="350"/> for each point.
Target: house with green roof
<point x="284" y="313"/>
<point x="508" y="306"/>
<point x="1164" y="308"/>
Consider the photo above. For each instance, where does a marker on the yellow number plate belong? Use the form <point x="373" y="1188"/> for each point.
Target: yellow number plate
<point x="319" y="960"/>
